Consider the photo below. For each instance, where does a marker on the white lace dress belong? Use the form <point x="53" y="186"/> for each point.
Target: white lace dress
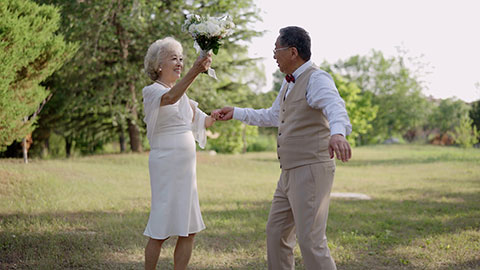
<point x="172" y="131"/>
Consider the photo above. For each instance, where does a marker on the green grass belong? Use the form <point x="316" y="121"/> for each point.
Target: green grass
<point x="90" y="213"/>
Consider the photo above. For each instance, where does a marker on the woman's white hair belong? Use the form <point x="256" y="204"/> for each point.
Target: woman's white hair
<point x="156" y="54"/>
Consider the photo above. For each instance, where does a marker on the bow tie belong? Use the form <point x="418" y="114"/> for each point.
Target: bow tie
<point x="290" y="78"/>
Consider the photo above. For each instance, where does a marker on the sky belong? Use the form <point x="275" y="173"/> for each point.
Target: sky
<point x="445" y="34"/>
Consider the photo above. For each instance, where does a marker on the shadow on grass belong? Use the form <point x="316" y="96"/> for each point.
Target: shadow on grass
<point x="395" y="161"/>
<point x="81" y="240"/>
<point x="371" y="230"/>
<point x="375" y="229"/>
<point x="470" y="265"/>
<point x="428" y="216"/>
<point x="409" y="161"/>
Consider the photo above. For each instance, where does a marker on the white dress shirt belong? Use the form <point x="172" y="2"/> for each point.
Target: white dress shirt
<point x="322" y="94"/>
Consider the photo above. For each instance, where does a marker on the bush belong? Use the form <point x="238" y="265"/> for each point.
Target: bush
<point x="465" y="134"/>
<point x="231" y="137"/>
<point x="262" y="143"/>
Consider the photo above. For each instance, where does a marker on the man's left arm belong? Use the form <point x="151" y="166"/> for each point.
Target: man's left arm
<point x="322" y="94"/>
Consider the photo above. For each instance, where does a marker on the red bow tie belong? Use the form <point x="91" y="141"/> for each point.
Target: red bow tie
<point x="290" y="78"/>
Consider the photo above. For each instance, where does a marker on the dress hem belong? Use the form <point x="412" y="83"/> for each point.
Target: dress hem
<point x="174" y="234"/>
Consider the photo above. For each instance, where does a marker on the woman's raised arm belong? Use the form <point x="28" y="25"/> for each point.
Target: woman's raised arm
<point x="176" y="92"/>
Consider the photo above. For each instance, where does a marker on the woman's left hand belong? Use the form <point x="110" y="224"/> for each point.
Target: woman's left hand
<point x="209" y="121"/>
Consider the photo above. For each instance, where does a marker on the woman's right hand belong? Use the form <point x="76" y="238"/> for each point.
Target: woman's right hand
<point x="175" y="93"/>
<point x="202" y="64"/>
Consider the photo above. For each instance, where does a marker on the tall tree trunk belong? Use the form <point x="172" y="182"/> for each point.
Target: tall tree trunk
<point x="134" y="134"/>
<point x="68" y="146"/>
<point x="124" y="43"/>
<point x="46" y="147"/>
<point x="25" y="150"/>
<point x="121" y="139"/>
<point x="27" y="140"/>
<point x="26" y="143"/>
<point x="133" y="130"/>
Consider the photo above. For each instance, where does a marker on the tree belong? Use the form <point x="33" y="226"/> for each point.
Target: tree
<point x="396" y="91"/>
<point x="30" y="51"/>
<point x="278" y="77"/>
<point x="474" y="114"/>
<point x="100" y="92"/>
<point x="234" y="137"/>
<point x="465" y="134"/>
<point x="359" y="107"/>
<point x="447" y="115"/>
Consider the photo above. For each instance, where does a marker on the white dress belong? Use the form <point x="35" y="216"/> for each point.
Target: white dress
<point x="172" y="131"/>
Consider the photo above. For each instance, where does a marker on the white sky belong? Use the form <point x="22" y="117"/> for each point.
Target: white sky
<point x="445" y="32"/>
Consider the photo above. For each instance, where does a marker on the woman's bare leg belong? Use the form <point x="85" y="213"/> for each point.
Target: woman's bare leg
<point x="152" y="252"/>
<point x="183" y="252"/>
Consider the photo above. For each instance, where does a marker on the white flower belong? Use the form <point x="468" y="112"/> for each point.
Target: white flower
<point x="213" y="29"/>
<point x="201" y="28"/>
<point x="192" y="28"/>
<point x="207" y="29"/>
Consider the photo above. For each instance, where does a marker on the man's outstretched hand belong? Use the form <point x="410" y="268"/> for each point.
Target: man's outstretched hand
<point x="340" y="147"/>
<point x="223" y="114"/>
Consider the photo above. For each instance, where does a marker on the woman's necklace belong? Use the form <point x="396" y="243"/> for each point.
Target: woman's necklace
<point x="162" y="83"/>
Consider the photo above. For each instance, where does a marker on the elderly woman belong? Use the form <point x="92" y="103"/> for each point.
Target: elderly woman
<point x="174" y="122"/>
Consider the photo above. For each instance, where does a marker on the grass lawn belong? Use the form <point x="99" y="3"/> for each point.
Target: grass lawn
<point x="90" y="213"/>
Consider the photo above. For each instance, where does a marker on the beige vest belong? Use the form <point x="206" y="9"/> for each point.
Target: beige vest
<point x="303" y="132"/>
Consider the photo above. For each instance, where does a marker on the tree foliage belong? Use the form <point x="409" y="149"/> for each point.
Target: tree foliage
<point x="465" y="134"/>
<point x="278" y="77"/>
<point x="98" y="95"/>
<point x="30" y="51"/>
<point x="234" y="137"/>
<point x="359" y="107"/>
<point x="447" y="115"/>
<point x="474" y="114"/>
<point x="396" y="91"/>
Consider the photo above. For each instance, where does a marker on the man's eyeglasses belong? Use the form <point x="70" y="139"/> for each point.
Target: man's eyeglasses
<point x="280" y="49"/>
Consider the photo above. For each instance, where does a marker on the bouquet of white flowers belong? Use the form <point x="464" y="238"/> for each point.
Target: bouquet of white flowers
<point x="208" y="33"/>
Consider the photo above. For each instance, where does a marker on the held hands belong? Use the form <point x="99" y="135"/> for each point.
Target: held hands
<point x="224" y="114"/>
<point x="339" y="146"/>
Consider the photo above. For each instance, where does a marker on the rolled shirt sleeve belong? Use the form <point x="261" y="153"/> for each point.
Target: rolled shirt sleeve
<point x="261" y="117"/>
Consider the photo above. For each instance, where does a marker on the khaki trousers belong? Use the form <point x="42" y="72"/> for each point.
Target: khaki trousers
<point x="300" y="207"/>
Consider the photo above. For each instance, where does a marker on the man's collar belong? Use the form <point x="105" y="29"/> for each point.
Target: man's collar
<point x="302" y="68"/>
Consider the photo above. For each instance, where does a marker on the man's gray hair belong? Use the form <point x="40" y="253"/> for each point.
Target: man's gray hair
<point x="294" y="36"/>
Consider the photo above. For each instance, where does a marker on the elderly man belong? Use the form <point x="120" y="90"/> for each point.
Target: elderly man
<point x="312" y="124"/>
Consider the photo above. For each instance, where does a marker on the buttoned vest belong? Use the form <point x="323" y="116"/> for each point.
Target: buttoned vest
<point x="303" y="132"/>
